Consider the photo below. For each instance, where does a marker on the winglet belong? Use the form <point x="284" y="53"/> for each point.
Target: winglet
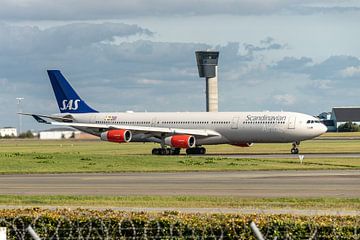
<point x="68" y="100"/>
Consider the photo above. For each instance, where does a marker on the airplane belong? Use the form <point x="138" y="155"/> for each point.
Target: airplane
<point x="179" y="130"/>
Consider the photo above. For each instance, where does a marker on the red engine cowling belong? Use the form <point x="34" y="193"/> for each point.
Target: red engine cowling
<point x="181" y="141"/>
<point x="118" y="135"/>
<point x="243" y="144"/>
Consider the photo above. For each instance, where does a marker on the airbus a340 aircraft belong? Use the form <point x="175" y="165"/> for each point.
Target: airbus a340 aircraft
<point x="176" y="130"/>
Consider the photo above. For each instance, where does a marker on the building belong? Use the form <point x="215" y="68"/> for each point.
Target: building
<point x="8" y="132"/>
<point x="64" y="133"/>
<point x="58" y="133"/>
<point x="340" y="115"/>
<point x="207" y="62"/>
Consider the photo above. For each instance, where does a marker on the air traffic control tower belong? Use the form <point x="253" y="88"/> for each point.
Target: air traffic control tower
<point x="207" y="62"/>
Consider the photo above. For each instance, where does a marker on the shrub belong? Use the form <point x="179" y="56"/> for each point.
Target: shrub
<point x="109" y="224"/>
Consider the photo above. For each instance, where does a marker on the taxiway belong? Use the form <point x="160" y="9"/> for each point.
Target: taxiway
<point x="320" y="183"/>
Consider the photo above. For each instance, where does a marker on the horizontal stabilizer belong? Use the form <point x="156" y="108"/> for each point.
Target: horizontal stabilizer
<point x="52" y="117"/>
<point x="39" y="119"/>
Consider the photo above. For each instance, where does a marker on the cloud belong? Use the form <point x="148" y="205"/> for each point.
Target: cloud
<point x="284" y="99"/>
<point x="265" y="45"/>
<point x="149" y="81"/>
<point x="117" y="75"/>
<point x="66" y="10"/>
<point x="350" y="72"/>
<point x="337" y="68"/>
<point x="293" y="64"/>
<point x="26" y="39"/>
<point x="321" y="84"/>
<point x="332" y="66"/>
<point x="114" y="9"/>
<point x="113" y="73"/>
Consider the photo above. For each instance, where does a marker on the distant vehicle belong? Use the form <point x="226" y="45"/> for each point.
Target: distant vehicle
<point x="177" y="130"/>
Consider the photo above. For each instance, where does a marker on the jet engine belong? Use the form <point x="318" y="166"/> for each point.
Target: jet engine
<point x="116" y="135"/>
<point x="180" y="141"/>
<point x="243" y="144"/>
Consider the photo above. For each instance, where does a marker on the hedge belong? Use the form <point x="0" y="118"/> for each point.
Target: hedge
<point x="110" y="224"/>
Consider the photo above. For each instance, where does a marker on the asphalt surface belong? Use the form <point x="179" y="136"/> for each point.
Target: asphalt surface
<point x="324" y="183"/>
<point x="306" y="155"/>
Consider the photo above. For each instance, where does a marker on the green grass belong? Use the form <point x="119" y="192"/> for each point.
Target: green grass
<point x="183" y="202"/>
<point x="341" y="134"/>
<point x="35" y="156"/>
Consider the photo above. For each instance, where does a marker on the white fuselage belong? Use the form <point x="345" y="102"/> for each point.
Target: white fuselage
<point x="233" y="127"/>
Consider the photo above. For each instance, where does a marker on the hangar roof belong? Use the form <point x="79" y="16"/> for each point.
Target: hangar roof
<point x="344" y="114"/>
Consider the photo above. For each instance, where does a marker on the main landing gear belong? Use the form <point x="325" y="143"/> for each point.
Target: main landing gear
<point x="176" y="151"/>
<point x="196" y="150"/>
<point x="165" y="151"/>
<point x="294" y="149"/>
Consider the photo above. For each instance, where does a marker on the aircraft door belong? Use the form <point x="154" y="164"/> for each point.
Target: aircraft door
<point x="92" y="119"/>
<point x="153" y="122"/>
<point x="235" y="123"/>
<point x="292" y="121"/>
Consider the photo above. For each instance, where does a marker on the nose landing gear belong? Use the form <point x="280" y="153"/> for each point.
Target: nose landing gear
<point x="294" y="149"/>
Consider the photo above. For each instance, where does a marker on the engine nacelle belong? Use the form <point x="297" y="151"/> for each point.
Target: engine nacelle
<point x="116" y="135"/>
<point x="181" y="141"/>
<point x="243" y="144"/>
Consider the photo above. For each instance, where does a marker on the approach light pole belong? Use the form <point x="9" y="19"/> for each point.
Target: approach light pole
<point x="19" y="99"/>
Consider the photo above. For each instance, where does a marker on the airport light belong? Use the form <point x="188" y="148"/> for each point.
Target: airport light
<point x="19" y="99"/>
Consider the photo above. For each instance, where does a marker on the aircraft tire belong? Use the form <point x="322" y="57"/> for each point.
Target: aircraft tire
<point x="175" y="151"/>
<point x="163" y="151"/>
<point x="155" y="151"/>
<point x="294" y="151"/>
<point x="197" y="150"/>
<point x="168" y="151"/>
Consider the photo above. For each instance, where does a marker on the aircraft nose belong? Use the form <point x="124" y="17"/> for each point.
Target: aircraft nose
<point x="322" y="129"/>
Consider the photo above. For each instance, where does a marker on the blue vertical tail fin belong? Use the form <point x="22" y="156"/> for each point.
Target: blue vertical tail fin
<point x="68" y="100"/>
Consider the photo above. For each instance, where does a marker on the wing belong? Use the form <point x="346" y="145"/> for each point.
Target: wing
<point x="64" y="121"/>
<point x="143" y="129"/>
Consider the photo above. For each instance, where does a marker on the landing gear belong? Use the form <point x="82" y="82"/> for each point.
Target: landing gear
<point x="294" y="149"/>
<point x="165" y="151"/>
<point x="196" y="150"/>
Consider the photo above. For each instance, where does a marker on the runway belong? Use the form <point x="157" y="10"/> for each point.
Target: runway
<point x="306" y="155"/>
<point x="325" y="183"/>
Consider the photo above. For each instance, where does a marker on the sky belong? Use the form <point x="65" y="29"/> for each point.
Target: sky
<point x="275" y="55"/>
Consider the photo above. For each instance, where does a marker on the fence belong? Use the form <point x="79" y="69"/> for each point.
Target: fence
<point x="85" y="224"/>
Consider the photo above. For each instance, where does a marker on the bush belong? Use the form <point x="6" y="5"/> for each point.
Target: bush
<point x="348" y="127"/>
<point x="109" y="224"/>
<point x="27" y="134"/>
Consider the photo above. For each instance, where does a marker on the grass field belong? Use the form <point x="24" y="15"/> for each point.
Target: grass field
<point x="34" y="156"/>
<point x="183" y="202"/>
<point x="341" y="134"/>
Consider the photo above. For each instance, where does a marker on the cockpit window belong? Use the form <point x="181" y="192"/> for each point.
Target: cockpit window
<point x="313" y="121"/>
